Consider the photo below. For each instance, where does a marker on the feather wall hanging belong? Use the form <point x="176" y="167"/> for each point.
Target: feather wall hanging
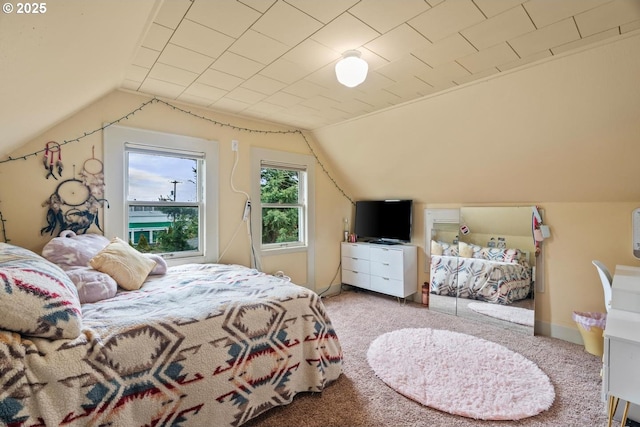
<point x="52" y="159"/>
<point x="75" y="204"/>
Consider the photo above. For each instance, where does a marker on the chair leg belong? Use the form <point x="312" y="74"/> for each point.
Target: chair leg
<point x="624" y="414"/>
<point x="613" y="405"/>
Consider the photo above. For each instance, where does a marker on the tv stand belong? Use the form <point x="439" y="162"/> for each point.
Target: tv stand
<point x="391" y="270"/>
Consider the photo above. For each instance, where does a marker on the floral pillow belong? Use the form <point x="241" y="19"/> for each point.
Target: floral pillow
<point x="71" y="250"/>
<point x="92" y="285"/>
<point x="37" y="298"/>
<point x="72" y="253"/>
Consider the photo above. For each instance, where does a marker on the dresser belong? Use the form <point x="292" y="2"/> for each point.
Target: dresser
<point x="621" y="358"/>
<point x="388" y="269"/>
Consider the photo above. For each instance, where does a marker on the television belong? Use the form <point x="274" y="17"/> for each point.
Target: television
<point x="383" y="221"/>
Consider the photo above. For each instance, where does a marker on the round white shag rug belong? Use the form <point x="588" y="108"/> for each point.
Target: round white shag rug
<point x="460" y="374"/>
<point x="519" y="315"/>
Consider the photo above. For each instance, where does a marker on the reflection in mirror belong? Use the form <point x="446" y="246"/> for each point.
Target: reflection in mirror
<point x="488" y="275"/>
<point x="444" y="242"/>
<point x="442" y="227"/>
<point x="496" y="256"/>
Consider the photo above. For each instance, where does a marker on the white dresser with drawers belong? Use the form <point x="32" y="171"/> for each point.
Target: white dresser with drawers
<point x="621" y="373"/>
<point x="388" y="269"/>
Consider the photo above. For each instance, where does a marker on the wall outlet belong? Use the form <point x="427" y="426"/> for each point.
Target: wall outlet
<point x="234" y="145"/>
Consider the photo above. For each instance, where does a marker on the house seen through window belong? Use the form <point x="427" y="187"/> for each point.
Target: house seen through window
<point x="163" y="201"/>
<point x="163" y="193"/>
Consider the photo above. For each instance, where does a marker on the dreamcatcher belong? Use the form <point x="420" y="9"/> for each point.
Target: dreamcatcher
<point x="52" y="158"/>
<point x="75" y="204"/>
<point x="92" y="175"/>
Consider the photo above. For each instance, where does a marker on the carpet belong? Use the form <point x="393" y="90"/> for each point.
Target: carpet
<point x="460" y="374"/>
<point x="518" y="315"/>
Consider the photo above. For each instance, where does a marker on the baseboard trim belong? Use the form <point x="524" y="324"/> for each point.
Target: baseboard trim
<point x="552" y="330"/>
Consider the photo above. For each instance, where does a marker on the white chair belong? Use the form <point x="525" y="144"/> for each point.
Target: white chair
<point x="605" y="277"/>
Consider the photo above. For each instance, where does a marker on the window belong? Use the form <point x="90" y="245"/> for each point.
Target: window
<point x="282" y="201"/>
<point x="162" y="193"/>
<point x="164" y="201"/>
<point x="285" y="199"/>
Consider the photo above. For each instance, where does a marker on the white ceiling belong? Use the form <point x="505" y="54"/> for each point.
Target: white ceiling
<point x="274" y="59"/>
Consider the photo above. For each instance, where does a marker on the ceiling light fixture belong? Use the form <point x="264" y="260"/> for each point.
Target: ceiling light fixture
<point x="351" y="70"/>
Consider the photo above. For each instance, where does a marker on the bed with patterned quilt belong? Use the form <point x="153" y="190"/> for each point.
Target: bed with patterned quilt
<point x="500" y="276"/>
<point x="193" y="345"/>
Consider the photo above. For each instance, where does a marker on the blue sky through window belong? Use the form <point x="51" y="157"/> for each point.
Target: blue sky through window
<point x="152" y="176"/>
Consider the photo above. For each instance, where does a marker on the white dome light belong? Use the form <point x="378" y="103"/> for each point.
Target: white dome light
<point x="351" y="70"/>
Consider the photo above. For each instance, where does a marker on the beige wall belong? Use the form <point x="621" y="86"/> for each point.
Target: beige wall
<point x="561" y="134"/>
<point x="23" y="187"/>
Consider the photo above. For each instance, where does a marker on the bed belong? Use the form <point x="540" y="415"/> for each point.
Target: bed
<point x="500" y="276"/>
<point x="198" y="344"/>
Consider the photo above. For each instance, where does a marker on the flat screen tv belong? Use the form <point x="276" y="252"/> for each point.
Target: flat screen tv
<point x="383" y="221"/>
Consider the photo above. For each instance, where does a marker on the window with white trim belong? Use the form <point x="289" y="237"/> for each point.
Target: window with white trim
<point x="282" y="199"/>
<point x="162" y="193"/>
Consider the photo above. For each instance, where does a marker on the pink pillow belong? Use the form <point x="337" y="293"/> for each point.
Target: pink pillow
<point x="71" y="250"/>
<point x="92" y="285"/>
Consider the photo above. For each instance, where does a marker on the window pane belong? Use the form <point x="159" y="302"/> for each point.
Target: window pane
<point x="280" y="225"/>
<point x="164" y="229"/>
<point x="279" y="186"/>
<point x="153" y="177"/>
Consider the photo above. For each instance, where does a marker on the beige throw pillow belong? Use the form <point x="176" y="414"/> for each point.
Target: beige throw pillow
<point x="466" y="251"/>
<point x="125" y="264"/>
<point x="436" y="248"/>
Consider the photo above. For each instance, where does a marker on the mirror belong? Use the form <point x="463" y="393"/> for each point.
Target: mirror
<point x="443" y="226"/>
<point x="487" y="273"/>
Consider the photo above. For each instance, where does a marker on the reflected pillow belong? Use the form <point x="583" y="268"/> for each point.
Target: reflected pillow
<point x="37" y="298"/>
<point x="466" y="250"/>
<point x="125" y="264"/>
<point x="449" y="249"/>
<point x="512" y="255"/>
<point x="436" y="248"/>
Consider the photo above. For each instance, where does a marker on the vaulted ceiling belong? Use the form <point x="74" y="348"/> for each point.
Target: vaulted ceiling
<point x="274" y="59"/>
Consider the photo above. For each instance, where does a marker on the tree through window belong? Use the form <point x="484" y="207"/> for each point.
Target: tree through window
<point x="163" y="200"/>
<point x="283" y="204"/>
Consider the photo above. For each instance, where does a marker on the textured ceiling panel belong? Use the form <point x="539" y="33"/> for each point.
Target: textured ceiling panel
<point x="275" y="59"/>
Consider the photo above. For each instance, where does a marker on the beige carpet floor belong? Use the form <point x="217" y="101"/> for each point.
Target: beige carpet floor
<point x="358" y="398"/>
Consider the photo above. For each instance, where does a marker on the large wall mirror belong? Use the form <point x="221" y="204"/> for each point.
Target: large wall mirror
<point x="481" y="264"/>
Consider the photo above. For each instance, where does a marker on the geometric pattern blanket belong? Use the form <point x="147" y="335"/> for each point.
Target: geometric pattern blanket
<point x="495" y="282"/>
<point x="205" y="344"/>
